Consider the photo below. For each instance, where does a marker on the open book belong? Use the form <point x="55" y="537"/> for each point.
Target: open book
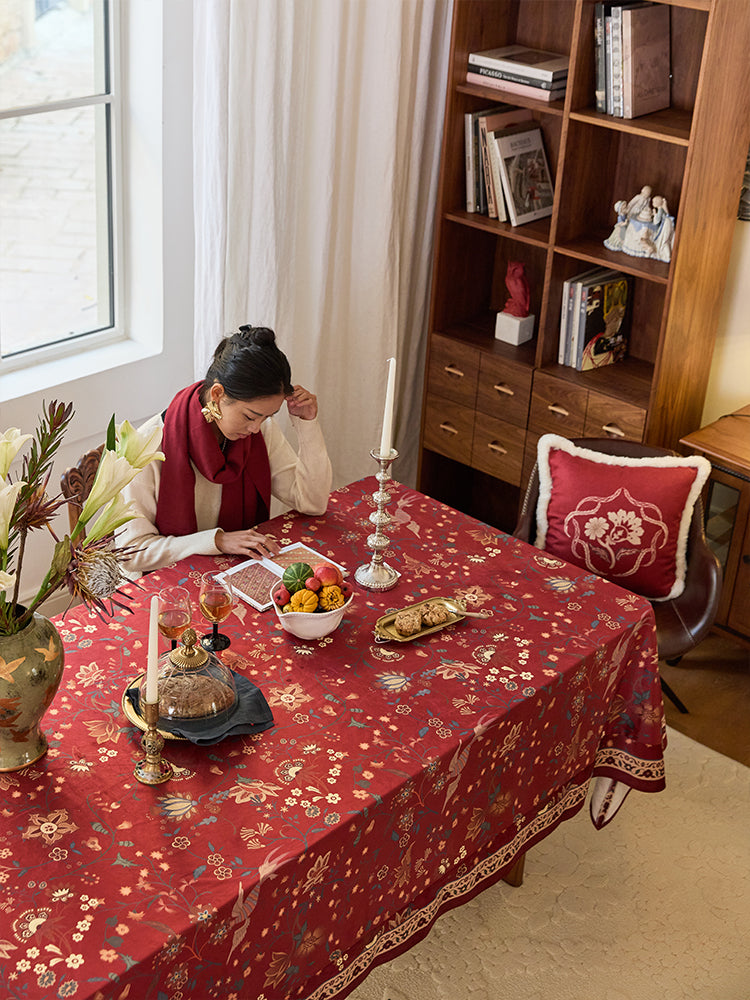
<point x="252" y="580"/>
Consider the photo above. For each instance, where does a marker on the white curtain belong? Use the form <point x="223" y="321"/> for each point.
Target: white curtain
<point x="317" y="127"/>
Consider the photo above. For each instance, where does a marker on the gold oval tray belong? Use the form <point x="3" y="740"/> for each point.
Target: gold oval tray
<point x="385" y="629"/>
<point x="132" y="716"/>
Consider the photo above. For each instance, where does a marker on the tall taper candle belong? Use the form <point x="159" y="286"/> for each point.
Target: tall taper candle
<point x="152" y="664"/>
<point x="390" y="394"/>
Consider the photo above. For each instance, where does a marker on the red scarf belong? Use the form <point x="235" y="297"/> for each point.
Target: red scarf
<point x="243" y="470"/>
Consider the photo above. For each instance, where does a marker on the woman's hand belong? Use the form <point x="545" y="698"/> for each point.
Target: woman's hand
<point x="302" y="403"/>
<point x="247" y="543"/>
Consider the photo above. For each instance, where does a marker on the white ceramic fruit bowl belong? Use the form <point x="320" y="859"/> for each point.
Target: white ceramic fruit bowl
<point x="310" y="624"/>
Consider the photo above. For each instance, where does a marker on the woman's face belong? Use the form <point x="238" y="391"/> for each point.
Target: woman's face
<point x="241" y="417"/>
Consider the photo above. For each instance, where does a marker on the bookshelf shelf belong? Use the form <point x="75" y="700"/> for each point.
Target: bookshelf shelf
<point x="693" y="153"/>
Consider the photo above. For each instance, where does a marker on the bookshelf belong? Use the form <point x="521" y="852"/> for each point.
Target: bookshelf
<point x="485" y="402"/>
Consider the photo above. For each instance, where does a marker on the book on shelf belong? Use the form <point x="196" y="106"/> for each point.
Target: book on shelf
<point x="528" y="81"/>
<point x="523" y="61"/>
<point x="646" y="60"/>
<point x="474" y="178"/>
<point x="527" y="182"/>
<point x="576" y="286"/>
<point x="600" y="56"/>
<point x="603" y="321"/>
<point x="517" y="89"/>
<point x="488" y="125"/>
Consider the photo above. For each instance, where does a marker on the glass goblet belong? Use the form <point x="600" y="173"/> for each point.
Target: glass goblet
<point x="216" y="603"/>
<point x="174" y="613"/>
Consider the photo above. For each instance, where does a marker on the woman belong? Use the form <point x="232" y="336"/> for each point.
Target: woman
<point x="225" y="457"/>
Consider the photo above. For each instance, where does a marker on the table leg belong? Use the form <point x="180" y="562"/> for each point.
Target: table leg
<point x="514" y="875"/>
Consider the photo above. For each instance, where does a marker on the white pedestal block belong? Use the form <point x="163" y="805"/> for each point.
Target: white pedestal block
<point x="514" y="329"/>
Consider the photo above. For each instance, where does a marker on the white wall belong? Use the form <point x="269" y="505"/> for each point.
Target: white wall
<point x="729" y="381"/>
<point x="159" y="253"/>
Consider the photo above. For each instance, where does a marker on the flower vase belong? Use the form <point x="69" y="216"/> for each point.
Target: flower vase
<point x="31" y="667"/>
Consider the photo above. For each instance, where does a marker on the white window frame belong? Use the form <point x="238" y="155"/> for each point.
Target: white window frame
<point x="137" y="263"/>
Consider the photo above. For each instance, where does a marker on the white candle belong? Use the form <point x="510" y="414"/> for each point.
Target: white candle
<point x="390" y="395"/>
<point x="152" y="665"/>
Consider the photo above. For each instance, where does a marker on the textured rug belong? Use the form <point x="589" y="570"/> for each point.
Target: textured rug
<point x="655" y="905"/>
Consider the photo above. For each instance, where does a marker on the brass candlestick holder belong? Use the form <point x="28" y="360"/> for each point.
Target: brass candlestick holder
<point x="378" y="575"/>
<point x="153" y="769"/>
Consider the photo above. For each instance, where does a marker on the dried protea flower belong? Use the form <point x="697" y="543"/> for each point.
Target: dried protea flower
<point x="94" y="574"/>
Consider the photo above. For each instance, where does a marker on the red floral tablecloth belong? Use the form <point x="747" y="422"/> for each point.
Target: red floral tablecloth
<point x="399" y="778"/>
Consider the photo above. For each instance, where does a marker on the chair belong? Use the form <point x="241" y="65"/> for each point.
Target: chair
<point x="76" y="483"/>
<point x="681" y="623"/>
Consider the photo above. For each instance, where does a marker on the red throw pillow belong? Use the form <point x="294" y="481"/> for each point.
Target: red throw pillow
<point x="625" y="519"/>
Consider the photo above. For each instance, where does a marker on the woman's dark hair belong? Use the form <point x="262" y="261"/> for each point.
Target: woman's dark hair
<point x="249" y="365"/>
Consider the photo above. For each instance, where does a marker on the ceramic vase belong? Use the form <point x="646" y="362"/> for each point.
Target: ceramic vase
<point x="31" y="667"/>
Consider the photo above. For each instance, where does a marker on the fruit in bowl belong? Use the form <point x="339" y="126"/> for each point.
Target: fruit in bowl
<point x="310" y="603"/>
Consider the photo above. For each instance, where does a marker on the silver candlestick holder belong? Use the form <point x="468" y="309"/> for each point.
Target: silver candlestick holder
<point x="378" y="575"/>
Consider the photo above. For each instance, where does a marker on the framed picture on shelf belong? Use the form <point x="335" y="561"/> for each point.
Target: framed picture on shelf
<point x="527" y="183"/>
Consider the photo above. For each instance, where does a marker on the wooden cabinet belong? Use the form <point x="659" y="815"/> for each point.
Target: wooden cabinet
<point x="693" y="153"/>
<point x="726" y="443"/>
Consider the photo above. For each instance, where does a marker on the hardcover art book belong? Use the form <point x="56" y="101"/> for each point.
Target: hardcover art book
<point x="522" y="61"/>
<point x="602" y="333"/>
<point x="527" y="183"/>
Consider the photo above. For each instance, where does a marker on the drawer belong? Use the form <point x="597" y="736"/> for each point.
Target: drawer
<point x="448" y="429"/>
<point x="453" y="371"/>
<point x="497" y="448"/>
<point x="557" y="407"/>
<point x="607" y="417"/>
<point x="504" y="390"/>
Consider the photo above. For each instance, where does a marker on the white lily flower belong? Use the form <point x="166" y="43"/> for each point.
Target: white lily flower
<point x="114" y="474"/>
<point x="137" y="447"/>
<point x="117" y="512"/>
<point x="8" y="496"/>
<point x="11" y="443"/>
<point x="7" y="580"/>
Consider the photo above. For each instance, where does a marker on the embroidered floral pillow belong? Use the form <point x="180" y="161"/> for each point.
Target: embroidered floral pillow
<point x="626" y="519"/>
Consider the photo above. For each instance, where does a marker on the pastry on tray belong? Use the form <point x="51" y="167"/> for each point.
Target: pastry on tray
<point x="408" y="622"/>
<point x="434" y="614"/>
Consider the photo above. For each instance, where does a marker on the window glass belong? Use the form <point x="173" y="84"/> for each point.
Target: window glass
<point x="56" y="237"/>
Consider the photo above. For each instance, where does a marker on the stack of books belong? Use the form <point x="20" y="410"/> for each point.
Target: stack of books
<point x="507" y="174"/>
<point x="516" y="69"/>
<point x="594" y="317"/>
<point x="632" y="58"/>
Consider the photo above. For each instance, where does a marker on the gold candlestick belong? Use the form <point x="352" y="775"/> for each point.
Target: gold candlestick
<point x="378" y="575"/>
<point x="153" y="769"/>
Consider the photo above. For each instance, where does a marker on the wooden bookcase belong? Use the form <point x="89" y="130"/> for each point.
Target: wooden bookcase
<point x="485" y="402"/>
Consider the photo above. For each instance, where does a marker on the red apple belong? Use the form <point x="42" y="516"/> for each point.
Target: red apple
<point x="328" y="575"/>
<point x="313" y="583"/>
<point x="281" y="595"/>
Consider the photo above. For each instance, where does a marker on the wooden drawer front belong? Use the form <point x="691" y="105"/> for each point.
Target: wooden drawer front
<point x="607" y="417"/>
<point x="498" y="448"/>
<point x="739" y="611"/>
<point x="448" y="429"/>
<point x="454" y="370"/>
<point x="557" y="407"/>
<point x="504" y="391"/>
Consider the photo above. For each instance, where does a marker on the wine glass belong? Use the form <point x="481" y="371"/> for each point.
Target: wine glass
<point x="174" y="613"/>
<point x="216" y="601"/>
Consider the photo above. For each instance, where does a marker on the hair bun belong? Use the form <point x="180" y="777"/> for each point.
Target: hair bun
<point x="258" y="336"/>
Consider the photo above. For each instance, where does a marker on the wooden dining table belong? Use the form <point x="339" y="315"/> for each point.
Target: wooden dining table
<point x="398" y="780"/>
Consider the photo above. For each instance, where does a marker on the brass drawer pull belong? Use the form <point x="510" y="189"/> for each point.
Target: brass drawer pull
<point x="448" y="428"/>
<point x="498" y="448"/>
<point x="560" y="410"/>
<point x="613" y="430"/>
<point x="505" y="389"/>
<point x="452" y="370"/>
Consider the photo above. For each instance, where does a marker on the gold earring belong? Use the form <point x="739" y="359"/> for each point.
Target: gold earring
<point x="211" y="412"/>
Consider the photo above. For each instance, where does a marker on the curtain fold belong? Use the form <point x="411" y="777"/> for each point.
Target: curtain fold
<point x="317" y="127"/>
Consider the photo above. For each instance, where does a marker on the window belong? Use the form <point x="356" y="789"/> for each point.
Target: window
<point x="58" y="130"/>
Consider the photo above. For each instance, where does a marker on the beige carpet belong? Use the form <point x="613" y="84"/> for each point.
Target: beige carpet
<point x="656" y="905"/>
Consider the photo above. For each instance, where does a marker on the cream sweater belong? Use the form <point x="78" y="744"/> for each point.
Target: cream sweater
<point x="302" y="482"/>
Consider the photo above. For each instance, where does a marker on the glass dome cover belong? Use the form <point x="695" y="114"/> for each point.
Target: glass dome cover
<point x="193" y="684"/>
